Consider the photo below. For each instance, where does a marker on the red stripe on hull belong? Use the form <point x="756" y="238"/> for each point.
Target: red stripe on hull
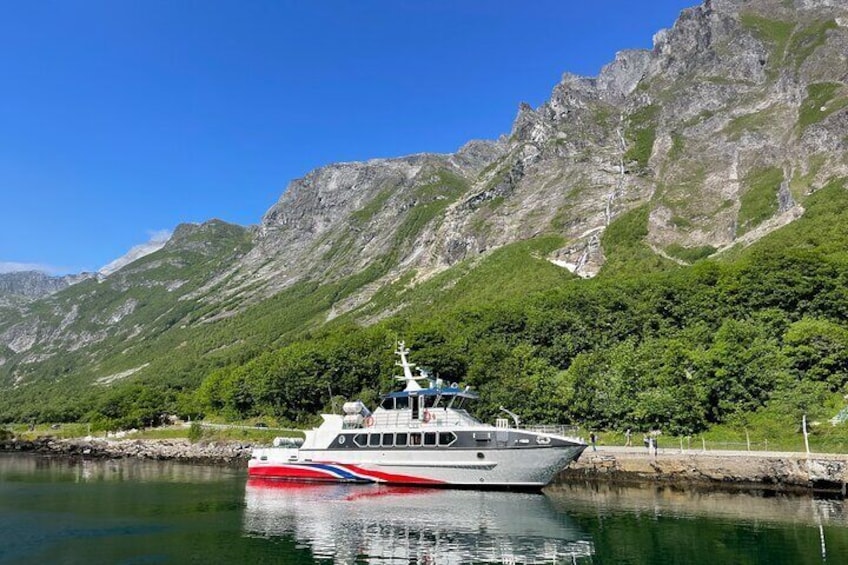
<point x="308" y="473"/>
<point x="292" y="472"/>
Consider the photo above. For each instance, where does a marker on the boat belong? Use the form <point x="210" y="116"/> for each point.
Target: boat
<point x="423" y="437"/>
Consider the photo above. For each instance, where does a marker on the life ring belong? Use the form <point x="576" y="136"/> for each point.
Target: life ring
<point x="428" y="416"/>
<point x="369" y="421"/>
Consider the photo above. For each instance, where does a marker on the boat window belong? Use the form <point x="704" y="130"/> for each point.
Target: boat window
<point x="415" y="439"/>
<point x="428" y="401"/>
<point x="361" y="440"/>
<point x="414" y="400"/>
<point x="430" y="438"/>
<point x="400" y="439"/>
<point x="374" y="440"/>
<point x="388" y="403"/>
<point x="446" y="438"/>
<point x="402" y="402"/>
<point x="387" y="440"/>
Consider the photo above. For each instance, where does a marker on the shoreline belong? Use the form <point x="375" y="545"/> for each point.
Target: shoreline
<point x="775" y="472"/>
<point x="732" y="471"/>
<point x="205" y="452"/>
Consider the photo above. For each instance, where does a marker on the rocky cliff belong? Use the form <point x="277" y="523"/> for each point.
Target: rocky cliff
<point x="29" y="285"/>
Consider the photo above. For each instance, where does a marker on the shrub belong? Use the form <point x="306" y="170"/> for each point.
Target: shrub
<point x="195" y="432"/>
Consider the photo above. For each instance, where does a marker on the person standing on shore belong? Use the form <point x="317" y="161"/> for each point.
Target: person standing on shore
<point x="593" y="439"/>
<point x="628" y="442"/>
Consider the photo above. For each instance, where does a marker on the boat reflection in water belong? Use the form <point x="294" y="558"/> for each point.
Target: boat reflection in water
<point x="378" y="523"/>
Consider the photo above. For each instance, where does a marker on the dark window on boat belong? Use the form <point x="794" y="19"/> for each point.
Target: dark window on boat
<point x="388" y="403"/>
<point x="428" y="401"/>
<point x="446" y="438"/>
<point x="430" y="438"/>
<point x="415" y="439"/>
<point x="387" y="440"/>
<point x="361" y="440"/>
<point x="400" y="439"/>
<point x="374" y="440"/>
<point x="402" y="402"/>
<point x="414" y="401"/>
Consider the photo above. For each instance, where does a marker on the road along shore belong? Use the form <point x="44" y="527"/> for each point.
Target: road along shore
<point x="734" y="470"/>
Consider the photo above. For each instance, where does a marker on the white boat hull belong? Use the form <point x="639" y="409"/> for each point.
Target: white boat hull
<point x="491" y="468"/>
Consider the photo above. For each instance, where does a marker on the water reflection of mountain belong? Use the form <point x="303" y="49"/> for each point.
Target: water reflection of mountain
<point x="378" y="524"/>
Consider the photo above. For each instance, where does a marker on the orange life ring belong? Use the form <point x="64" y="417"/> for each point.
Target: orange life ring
<point x="369" y="421"/>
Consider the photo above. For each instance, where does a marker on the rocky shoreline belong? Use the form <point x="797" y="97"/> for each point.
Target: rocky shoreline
<point x="217" y="452"/>
<point x="715" y="470"/>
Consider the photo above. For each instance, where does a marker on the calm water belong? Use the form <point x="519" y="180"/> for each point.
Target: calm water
<point x="55" y="511"/>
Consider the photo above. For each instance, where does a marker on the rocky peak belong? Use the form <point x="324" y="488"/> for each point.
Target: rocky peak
<point x="477" y="154"/>
<point x="34" y="284"/>
<point x="618" y="78"/>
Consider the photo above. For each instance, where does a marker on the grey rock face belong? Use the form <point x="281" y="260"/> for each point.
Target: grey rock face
<point x="618" y="79"/>
<point x="34" y="284"/>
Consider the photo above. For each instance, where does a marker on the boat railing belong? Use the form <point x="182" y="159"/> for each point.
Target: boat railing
<point x="554" y="429"/>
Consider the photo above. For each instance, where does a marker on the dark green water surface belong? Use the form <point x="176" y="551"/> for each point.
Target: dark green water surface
<point x="60" y="511"/>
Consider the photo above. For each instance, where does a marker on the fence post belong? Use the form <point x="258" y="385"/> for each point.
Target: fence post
<point x="681" y="444"/>
<point x="748" y="440"/>
<point x="806" y="438"/>
<point x="704" y="444"/>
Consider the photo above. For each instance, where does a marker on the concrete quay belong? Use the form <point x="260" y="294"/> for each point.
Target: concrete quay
<point x="733" y="470"/>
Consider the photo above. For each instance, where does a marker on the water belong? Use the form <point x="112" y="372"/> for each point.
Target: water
<point x="58" y="511"/>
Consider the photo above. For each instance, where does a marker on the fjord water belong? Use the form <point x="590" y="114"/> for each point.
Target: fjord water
<point x="61" y="511"/>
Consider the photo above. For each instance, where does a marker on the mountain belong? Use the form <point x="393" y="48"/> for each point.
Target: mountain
<point x="23" y="286"/>
<point x="713" y="140"/>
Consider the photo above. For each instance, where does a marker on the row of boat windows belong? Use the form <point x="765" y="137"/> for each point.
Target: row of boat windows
<point x="401" y="439"/>
<point x="423" y="402"/>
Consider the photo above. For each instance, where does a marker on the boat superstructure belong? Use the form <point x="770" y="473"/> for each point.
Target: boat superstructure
<point x="421" y="435"/>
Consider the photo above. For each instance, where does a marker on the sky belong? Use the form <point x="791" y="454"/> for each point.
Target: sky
<point x="120" y="119"/>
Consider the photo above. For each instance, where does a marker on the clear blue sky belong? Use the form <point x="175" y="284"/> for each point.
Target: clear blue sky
<point x="120" y="118"/>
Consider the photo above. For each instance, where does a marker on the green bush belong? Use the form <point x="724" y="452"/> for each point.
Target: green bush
<point x="195" y="432"/>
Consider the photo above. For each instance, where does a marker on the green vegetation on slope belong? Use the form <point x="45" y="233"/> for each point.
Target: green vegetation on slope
<point x="641" y="134"/>
<point x="690" y="254"/>
<point x="625" y="248"/>
<point x="774" y="32"/>
<point x="820" y="103"/>
<point x="759" y="201"/>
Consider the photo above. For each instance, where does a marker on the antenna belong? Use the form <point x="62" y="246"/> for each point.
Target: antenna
<point x="332" y="400"/>
<point x="410" y="379"/>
